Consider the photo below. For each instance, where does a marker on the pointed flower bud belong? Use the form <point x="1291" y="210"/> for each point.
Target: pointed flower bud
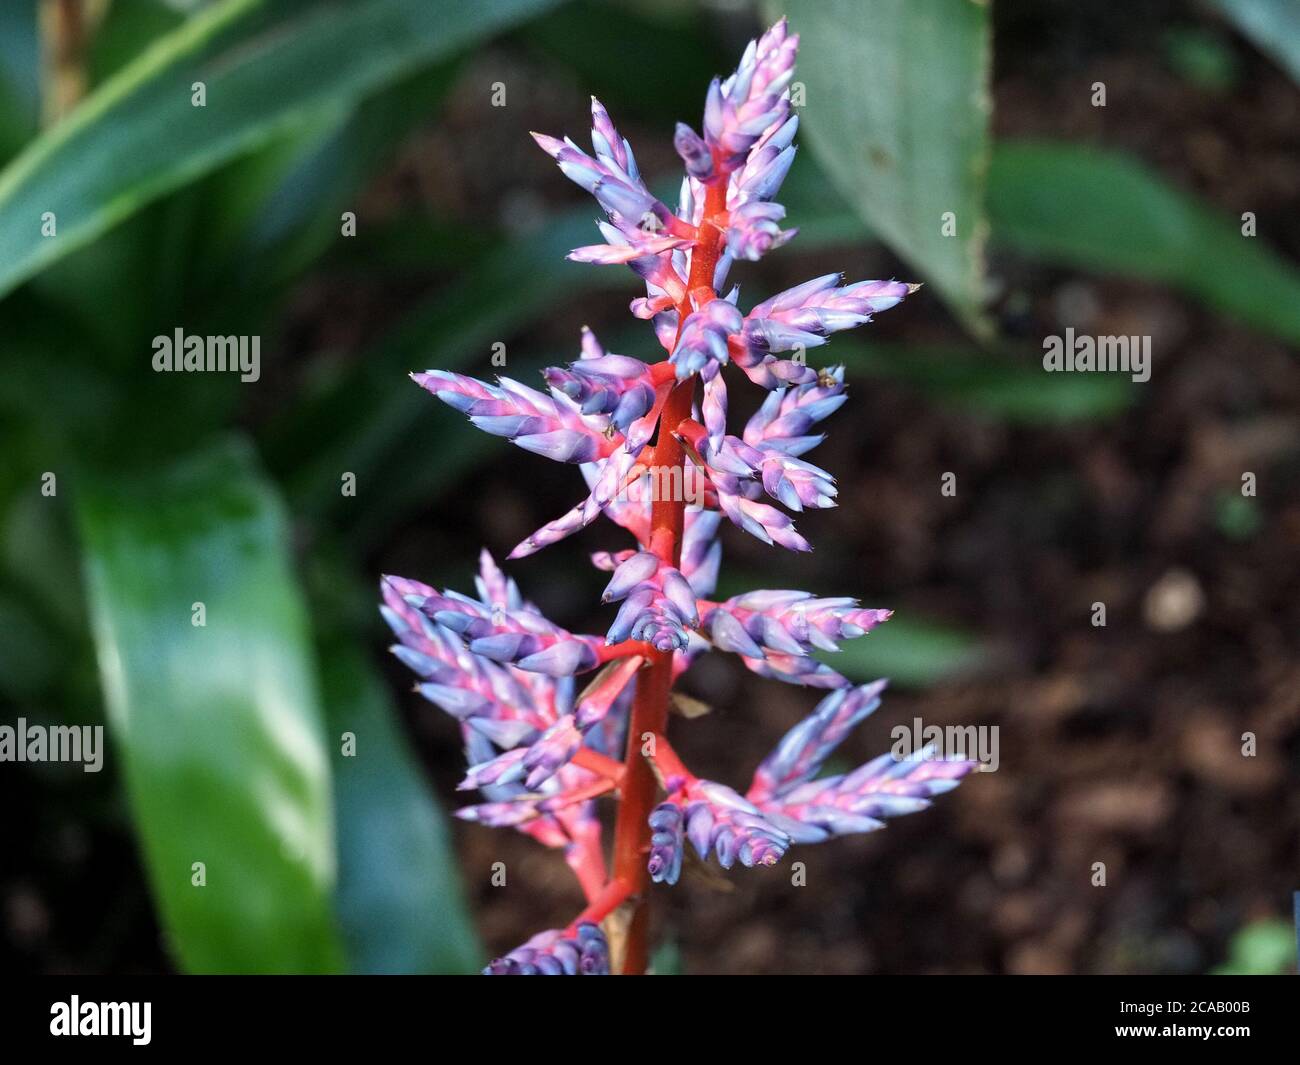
<point x="703" y="338"/>
<point x="738" y="112"/>
<point x="719" y="821"/>
<point x="694" y="152"/>
<point x="863" y="800"/>
<point x="666" y="822"/>
<point x="804" y="749"/>
<point x="580" y="952"/>
<point x="785" y="417"/>
<point x="806" y="315"/>
<point x="552" y="427"/>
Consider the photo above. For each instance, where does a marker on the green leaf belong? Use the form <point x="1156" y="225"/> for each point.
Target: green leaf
<point x="265" y="67"/>
<point x="897" y="111"/>
<point x="399" y="900"/>
<point x="20" y="94"/>
<point x="1273" y="25"/>
<point x="1261" y="948"/>
<point x="912" y="653"/>
<point x="219" y="726"/>
<point x="1104" y="211"/>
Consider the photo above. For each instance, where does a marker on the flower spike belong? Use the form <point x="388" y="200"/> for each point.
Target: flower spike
<point x="658" y="458"/>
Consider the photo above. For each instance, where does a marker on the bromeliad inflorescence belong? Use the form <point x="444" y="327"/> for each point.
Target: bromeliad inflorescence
<point x="541" y="751"/>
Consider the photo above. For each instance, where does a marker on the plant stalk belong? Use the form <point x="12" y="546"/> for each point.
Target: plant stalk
<point x="639" y="786"/>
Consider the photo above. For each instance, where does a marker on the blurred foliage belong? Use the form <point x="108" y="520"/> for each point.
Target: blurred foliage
<point x="1102" y="211"/>
<point x="911" y="652"/>
<point x="215" y="713"/>
<point x="399" y="899"/>
<point x="1205" y="59"/>
<point x="1264" y="948"/>
<point x="259" y="66"/>
<point x="213" y="219"/>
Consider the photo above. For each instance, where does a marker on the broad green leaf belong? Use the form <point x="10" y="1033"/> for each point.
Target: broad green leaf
<point x="399" y="899"/>
<point x="1104" y="211"/>
<point x="911" y="652"/>
<point x="1273" y="26"/>
<point x="897" y="111"/>
<point x="219" y="725"/>
<point x="265" y="65"/>
<point x="993" y="385"/>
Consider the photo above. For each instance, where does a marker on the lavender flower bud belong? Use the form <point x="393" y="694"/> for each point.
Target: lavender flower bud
<point x="719" y="820"/>
<point x="703" y="337"/>
<point x="665" y="864"/>
<point x="640" y="567"/>
<point x="561" y="659"/>
<point x="556" y="748"/>
<point x="694" y="152"/>
<point x="584" y="952"/>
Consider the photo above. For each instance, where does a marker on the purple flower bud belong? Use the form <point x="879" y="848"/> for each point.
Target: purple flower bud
<point x="640" y="567"/>
<point x="459" y="702"/>
<point x="753" y="231"/>
<point x="556" y="748"/>
<point x="584" y="952"/>
<point x="703" y="337"/>
<point x="503" y="769"/>
<point x="678" y="591"/>
<point x="561" y="659"/>
<point x="665" y="864"/>
<point x="728" y="634"/>
<point x="754" y="101"/>
<point x="717" y="819"/>
<point x="694" y="152"/>
<point x="504" y="646"/>
<point x="815" y="309"/>
<point x="553" y="427"/>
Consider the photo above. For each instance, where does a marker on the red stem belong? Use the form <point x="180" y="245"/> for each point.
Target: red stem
<point x="639" y="786"/>
<point x="609" y="768"/>
<point x="671" y="768"/>
<point x="607" y="900"/>
<point x="608" y="652"/>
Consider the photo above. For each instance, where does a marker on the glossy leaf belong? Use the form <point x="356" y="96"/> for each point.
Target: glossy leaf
<point x="218" y="725"/>
<point x="1104" y="211"/>
<point x="898" y="112"/>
